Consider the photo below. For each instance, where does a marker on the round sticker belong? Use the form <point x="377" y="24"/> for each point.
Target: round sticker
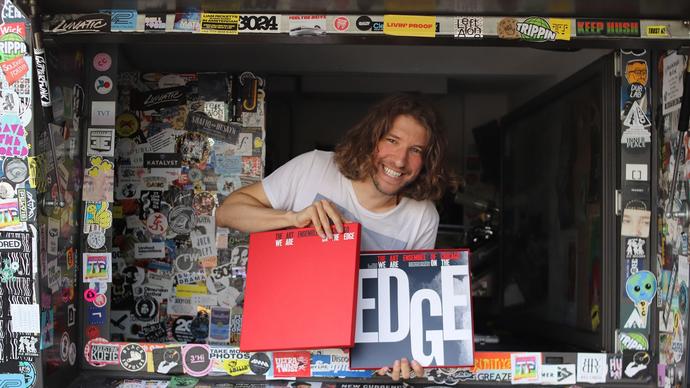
<point x="103" y="84"/>
<point x="102" y="62"/>
<point x="184" y="262"/>
<point x="259" y="363"/>
<point x="126" y="124"/>
<point x="195" y="175"/>
<point x="6" y="190"/>
<point x="133" y="357"/>
<point x="204" y="203"/>
<point x="196" y="360"/>
<point x="341" y="23"/>
<point x="90" y="295"/>
<point x="636" y="91"/>
<point x="99" y="287"/>
<point x="96" y="239"/>
<point x="93" y="332"/>
<point x="27" y="369"/>
<point x="64" y="346"/>
<point x="100" y="300"/>
<point x="16" y="170"/>
<point x="157" y="223"/>
<point x="134" y="276"/>
<point x="181" y="219"/>
<point x="145" y="308"/>
<point x="13" y="46"/>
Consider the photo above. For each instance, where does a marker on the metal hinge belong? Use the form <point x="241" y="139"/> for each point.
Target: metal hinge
<point x="618" y="202"/>
<point x="617" y="63"/>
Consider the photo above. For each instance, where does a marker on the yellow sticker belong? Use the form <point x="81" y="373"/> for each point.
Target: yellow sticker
<point x="561" y="27"/>
<point x="220" y="23"/>
<point x="33" y="171"/>
<point x="189" y="290"/>
<point x="235" y="367"/>
<point x="408" y="25"/>
<point x="658" y="31"/>
<point x="117" y="212"/>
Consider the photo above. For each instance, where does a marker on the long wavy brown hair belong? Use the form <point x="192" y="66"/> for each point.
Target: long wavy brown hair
<point x="355" y="153"/>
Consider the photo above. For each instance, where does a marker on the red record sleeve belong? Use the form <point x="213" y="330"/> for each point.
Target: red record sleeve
<point x="301" y="290"/>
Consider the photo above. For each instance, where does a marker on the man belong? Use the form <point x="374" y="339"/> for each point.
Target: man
<point x="384" y="175"/>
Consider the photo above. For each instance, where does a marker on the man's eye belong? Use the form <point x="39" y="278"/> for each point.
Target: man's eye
<point x="417" y="150"/>
<point x="391" y="140"/>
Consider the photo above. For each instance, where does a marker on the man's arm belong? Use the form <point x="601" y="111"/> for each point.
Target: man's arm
<point x="249" y="210"/>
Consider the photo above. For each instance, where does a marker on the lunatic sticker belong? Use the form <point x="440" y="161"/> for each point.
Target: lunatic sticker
<point x="133" y="357"/>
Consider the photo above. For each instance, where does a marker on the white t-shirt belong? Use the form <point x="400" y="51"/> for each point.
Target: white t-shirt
<point x="314" y="175"/>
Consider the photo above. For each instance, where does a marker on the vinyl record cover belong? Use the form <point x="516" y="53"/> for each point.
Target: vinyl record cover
<point x="414" y="304"/>
<point x="300" y="290"/>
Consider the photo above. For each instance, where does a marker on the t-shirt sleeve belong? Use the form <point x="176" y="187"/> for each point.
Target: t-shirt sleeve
<point x="282" y="186"/>
<point x="428" y="229"/>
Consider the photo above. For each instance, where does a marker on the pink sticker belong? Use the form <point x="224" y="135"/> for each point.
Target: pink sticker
<point x="90" y="295"/>
<point x="100" y="300"/>
<point x="102" y="62"/>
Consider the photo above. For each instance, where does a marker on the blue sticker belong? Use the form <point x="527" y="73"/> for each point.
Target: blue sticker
<point x="96" y="315"/>
<point x="228" y="165"/>
<point x="29" y="372"/>
<point x="331" y="365"/>
<point x="641" y="287"/>
<point x="12" y="380"/>
<point x="122" y="19"/>
<point x="187" y="21"/>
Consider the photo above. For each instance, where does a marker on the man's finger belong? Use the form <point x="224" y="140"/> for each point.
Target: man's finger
<point x="383" y="371"/>
<point x="405" y="368"/>
<point x="314" y="215"/>
<point x="396" y="371"/>
<point x="334" y="215"/>
<point x="417" y="367"/>
<point x="323" y="217"/>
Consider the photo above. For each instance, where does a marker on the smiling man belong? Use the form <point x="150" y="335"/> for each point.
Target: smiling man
<point x="384" y="174"/>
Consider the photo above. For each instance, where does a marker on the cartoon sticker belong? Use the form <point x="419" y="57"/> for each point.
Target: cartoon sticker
<point x="641" y="288"/>
<point x="103" y="84"/>
<point x="133" y="357"/>
<point x="168" y="360"/>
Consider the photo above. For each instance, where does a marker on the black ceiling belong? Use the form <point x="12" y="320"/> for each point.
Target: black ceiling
<point x="642" y="9"/>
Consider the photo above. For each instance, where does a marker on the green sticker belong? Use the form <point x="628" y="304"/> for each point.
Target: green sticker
<point x="11" y="46"/>
<point x="183" y="382"/>
<point x="536" y="29"/>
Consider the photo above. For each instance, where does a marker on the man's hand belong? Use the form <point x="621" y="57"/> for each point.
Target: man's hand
<point x="402" y="367"/>
<point x="320" y="214"/>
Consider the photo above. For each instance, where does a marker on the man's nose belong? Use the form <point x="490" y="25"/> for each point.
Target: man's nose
<point x="400" y="157"/>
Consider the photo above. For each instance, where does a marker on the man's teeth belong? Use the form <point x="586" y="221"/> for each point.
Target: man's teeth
<point x="391" y="173"/>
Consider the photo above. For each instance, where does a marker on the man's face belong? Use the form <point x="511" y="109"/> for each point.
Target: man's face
<point x="399" y="155"/>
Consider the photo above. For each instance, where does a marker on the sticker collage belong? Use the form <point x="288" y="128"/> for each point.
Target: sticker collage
<point x="19" y="305"/>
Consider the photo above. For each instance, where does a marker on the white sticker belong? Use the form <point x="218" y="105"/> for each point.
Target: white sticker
<point x="672" y="86"/>
<point x="103" y="85"/>
<point x="100" y="142"/>
<point x="25" y="318"/>
<point x="636" y="117"/>
<point x="636" y="172"/>
<point x="149" y="250"/>
<point x="591" y="367"/>
<point x="162" y="142"/>
<point x="558" y="374"/>
<point x="103" y="113"/>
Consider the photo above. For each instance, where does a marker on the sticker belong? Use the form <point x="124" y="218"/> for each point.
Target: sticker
<point x="187" y="21"/>
<point x="123" y="20"/>
<point x="636" y="72"/>
<point x="216" y="129"/>
<point x="71" y="315"/>
<point x="633" y="341"/>
<point x="27" y="205"/>
<point x="535" y="29"/>
<point x="259" y="363"/>
<point x="16" y="170"/>
<point x="100" y="300"/>
<point x="616" y="366"/>
<point x="196" y="360"/>
<point x="219" y="324"/>
<point x="100" y="142"/>
<point x="7" y="191"/>
<point x="658" y="31"/>
<point x="409" y="25"/>
<point x="365" y="23"/>
<point x="96" y="239"/>
<point x="181" y="219"/>
<point x="636" y="117"/>
<point x="598" y="27"/>
<point x="102" y="62"/>
<point x="157" y="224"/>
<point x="635" y="248"/>
<point x="469" y="27"/>
<point x="301" y="25"/>
<point x="291" y="364"/>
<point x="11" y="380"/>
<point x="132" y="357"/>
<point x="69" y="24"/>
<point x="9" y="213"/>
<point x="636" y="364"/>
<point x="260" y="23"/>
<point x="591" y="368"/>
<point x="182" y="328"/>
<point x="146" y="308"/>
<point x="168" y="360"/>
<point x="558" y="374"/>
<point x="97" y="215"/>
<point x="636" y="172"/>
<point x="159" y="98"/>
<point x="12" y="137"/>
<point x="12" y="45"/>
<point x="96" y="315"/>
<point x="204" y="203"/>
<point x="29" y="371"/>
<point x="90" y="295"/>
<point x="99" y="180"/>
<point x="149" y="250"/>
<point x="154" y="23"/>
<point x="636" y="222"/>
<point x="99" y="352"/>
<point x="126" y="124"/>
<point x="526" y="368"/>
<point x="507" y="29"/>
<point x="103" y="113"/>
<point x="641" y="289"/>
<point x="14" y="69"/>
<point x="219" y="23"/>
<point x="341" y="23"/>
<point x="162" y="160"/>
<point x="103" y="85"/>
<point x="97" y="267"/>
